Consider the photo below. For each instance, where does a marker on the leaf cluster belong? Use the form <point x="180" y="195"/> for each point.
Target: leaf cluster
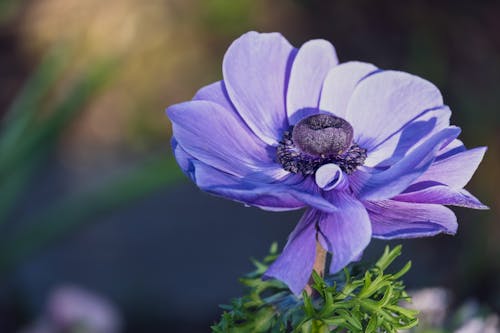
<point x="356" y="300"/>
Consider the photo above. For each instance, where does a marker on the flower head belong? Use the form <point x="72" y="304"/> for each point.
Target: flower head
<point x="368" y="152"/>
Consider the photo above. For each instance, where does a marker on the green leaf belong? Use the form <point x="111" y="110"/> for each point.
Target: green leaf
<point x="372" y="324"/>
<point x="367" y="301"/>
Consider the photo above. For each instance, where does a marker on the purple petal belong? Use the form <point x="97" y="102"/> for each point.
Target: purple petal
<point x="330" y="176"/>
<point x="409" y="137"/>
<point x="443" y="195"/>
<point x="218" y="137"/>
<point x="454" y="147"/>
<point x="284" y="195"/>
<point x="215" y="92"/>
<point x="385" y="102"/>
<point x="393" y="219"/>
<point x="344" y="233"/>
<point x="295" y="264"/>
<point x="261" y="195"/>
<point x="310" y="66"/>
<point x="379" y="185"/>
<point x="456" y="170"/>
<point x="339" y="85"/>
<point x="255" y="69"/>
<point x="183" y="159"/>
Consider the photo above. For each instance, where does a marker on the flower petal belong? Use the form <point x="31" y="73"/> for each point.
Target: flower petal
<point x="409" y="137"/>
<point x="255" y="70"/>
<point x="215" y="92"/>
<point x="385" y="102"/>
<point x="454" y="147"/>
<point x="443" y="195"/>
<point x="284" y="195"/>
<point x="344" y="233"/>
<point x="218" y="137"/>
<point x="330" y="176"/>
<point x="295" y="264"/>
<point x="379" y="185"/>
<point x="455" y="170"/>
<point x="393" y="219"/>
<point x="262" y="195"/>
<point x="183" y="159"/>
<point x="310" y="66"/>
<point x="339" y="85"/>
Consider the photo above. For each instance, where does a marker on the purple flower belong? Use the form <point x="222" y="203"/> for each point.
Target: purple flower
<point x="368" y="152"/>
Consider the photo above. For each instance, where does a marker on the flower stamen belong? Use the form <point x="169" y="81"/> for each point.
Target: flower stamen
<point x="318" y="140"/>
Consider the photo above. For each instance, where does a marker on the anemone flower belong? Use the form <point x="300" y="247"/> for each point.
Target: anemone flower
<point x="368" y="152"/>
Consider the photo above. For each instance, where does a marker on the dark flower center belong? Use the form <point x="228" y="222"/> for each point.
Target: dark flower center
<point x="322" y="134"/>
<point x="317" y="140"/>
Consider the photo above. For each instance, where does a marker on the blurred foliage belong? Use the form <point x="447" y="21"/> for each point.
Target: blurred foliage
<point x="8" y="9"/>
<point x="28" y="135"/>
<point x="355" y="300"/>
<point x="78" y="210"/>
<point x="228" y="17"/>
<point x="31" y="130"/>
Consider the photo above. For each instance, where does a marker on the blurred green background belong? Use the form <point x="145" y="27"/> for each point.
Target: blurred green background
<point x="90" y="195"/>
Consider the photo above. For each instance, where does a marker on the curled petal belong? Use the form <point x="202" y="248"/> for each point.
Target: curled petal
<point x="385" y="102"/>
<point x="339" y="85"/>
<point x="295" y="264"/>
<point x="310" y="66"/>
<point x="255" y="71"/>
<point x="393" y="219"/>
<point x="379" y="185"/>
<point x="344" y="233"/>
<point x="330" y="176"/>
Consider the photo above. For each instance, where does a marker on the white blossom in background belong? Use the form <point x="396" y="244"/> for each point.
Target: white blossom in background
<point x="489" y="324"/>
<point x="71" y="308"/>
<point x="433" y="305"/>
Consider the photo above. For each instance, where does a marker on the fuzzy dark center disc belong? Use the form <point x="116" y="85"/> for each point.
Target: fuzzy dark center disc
<point x="318" y="140"/>
<point x="322" y="134"/>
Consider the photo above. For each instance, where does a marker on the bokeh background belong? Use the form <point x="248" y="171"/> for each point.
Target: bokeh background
<point x="91" y="198"/>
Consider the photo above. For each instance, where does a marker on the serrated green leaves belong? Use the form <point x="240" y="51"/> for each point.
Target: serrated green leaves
<point x="366" y="302"/>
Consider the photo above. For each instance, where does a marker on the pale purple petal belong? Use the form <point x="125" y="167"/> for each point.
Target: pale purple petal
<point x="393" y="219"/>
<point x="255" y="70"/>
<point x="409" y="137"/>
<point x="215" y="92"/>
<point x="443" y="195"/>
<point x="306" y="190"/>
<point x="379" y="185"/>
<point x="183" y="159"/>
<point x="262" y="195"/>
<point x="386" y="101"/>
<point x="330" y="176"/>
<point x="456" y="170"/>
<point x="339" y="85"/>
<point x="310" y="66"/>
<point x="265" y="176"/>
<point x="284" y="195"/>
<point x="454" y="147"/>
<point x="344" y="233"/>
<point x="295" y="264"/>
<point x="218" y="137"/>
